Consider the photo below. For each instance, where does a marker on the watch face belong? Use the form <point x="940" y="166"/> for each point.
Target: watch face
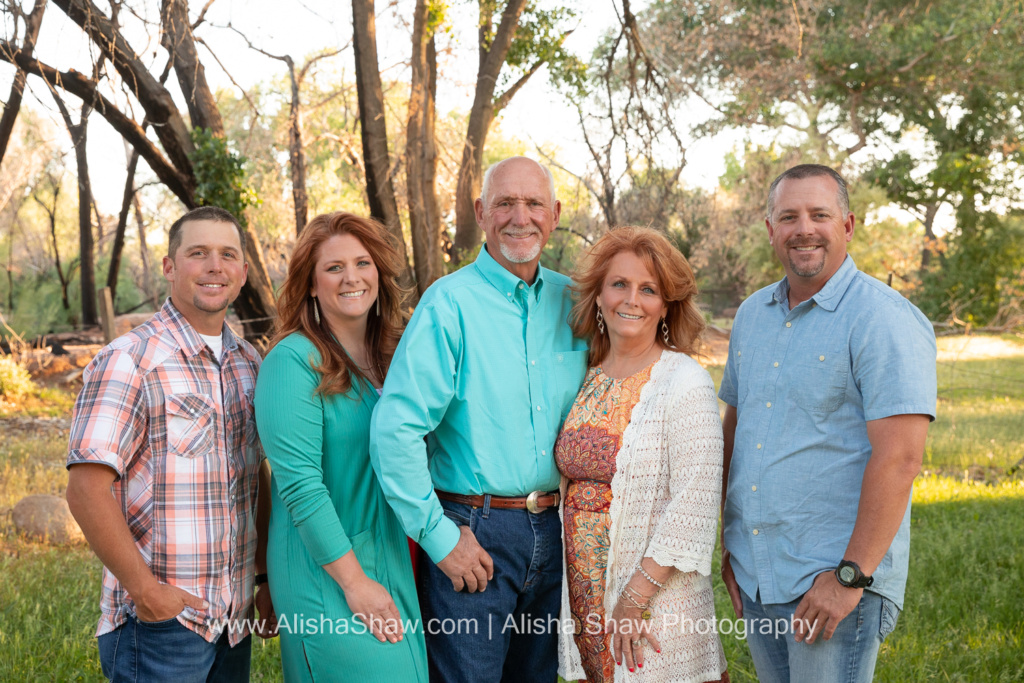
<point x="847" y="574"/>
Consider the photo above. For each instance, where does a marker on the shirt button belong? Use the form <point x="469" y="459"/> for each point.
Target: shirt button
<point x="758" y="446"/>
<point x="756" y="532"/>
<point x="776" y="364"/>
<point x="520" y="285"/>
<point x="543" y="452"/>
<point x="538" y="407"/>
<point x="769" y="404"/>
<point x="821" y="357"/>
<point x="533" y="362"/>
<point x="508" y="293"/>
<point x="753" y="488"/>
<point x="789" y="324"/>
<point x="739" y="353"/>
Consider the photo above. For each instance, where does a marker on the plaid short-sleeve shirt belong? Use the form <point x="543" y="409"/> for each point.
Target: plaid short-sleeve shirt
<point x="178" y="427"/>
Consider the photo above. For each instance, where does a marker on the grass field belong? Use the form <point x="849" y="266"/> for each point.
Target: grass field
<point x="963" y="619"/>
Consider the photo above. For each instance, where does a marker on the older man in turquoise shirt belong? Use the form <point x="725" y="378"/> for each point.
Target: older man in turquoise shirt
<point x="830" y="386"/>
<point x="463" y="438"/>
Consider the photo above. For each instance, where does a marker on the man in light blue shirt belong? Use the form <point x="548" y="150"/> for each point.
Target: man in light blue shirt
<point x="830" y="387"/>
<point x="464" y="433"/>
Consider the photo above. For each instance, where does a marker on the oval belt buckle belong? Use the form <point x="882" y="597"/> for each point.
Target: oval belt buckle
<point x="531" y="502"/>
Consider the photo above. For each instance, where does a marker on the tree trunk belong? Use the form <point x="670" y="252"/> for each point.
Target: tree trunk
<point x="122" y="224"/>
<point x="13" y="104"/>
<point x="297" y="153"/>
<point x="147" y="275"/>
<point x="467" y="232"/>
<point x="52" y="215"/>
<point x="179" y="41"/>
<point x="421" y="157"/>
<point x="87" y="256"/>
<point x="430" y="164"/>
<point x="380" y="191"/>
<point x="929" y="235"/>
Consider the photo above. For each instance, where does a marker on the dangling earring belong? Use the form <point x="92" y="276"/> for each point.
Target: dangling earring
<point x="600" y="321"/>
<point x="316" y="311"/>
<point x="664" y="331"/>
<point x="378" y="305"/>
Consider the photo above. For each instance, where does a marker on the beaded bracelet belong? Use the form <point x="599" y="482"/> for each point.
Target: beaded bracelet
<point x="650" y="578"/>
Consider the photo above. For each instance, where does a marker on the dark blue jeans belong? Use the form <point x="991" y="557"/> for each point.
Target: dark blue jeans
<point x="509" y="631"/>
<point x="142" y="652"/>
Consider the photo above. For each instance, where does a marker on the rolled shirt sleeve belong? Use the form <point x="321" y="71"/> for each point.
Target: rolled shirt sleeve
<point x="108" y="426"/>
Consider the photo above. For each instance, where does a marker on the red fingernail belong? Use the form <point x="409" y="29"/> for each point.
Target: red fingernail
<point x="630" y="669"/>
<point x="640" y="666"/>
<point x="658" y="651"/>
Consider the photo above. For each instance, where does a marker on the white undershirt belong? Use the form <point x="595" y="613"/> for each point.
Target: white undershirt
<point x="215" y="343"/>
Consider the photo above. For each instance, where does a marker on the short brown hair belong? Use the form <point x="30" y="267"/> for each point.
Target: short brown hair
<point x="295" y="304"/>
<point x="203" y="213"/>
<point x="675" y="281"/>
<point x="810" y="171"/>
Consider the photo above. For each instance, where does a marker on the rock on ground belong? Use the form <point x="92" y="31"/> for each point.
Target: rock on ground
<point x="46" y="518"/>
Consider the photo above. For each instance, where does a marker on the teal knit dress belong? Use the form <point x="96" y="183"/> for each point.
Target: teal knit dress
<point x="327" y="501"/>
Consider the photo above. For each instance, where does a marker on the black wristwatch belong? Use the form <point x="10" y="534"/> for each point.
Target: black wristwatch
<point x="850" y="575"/>
<point x="262" y="578"/>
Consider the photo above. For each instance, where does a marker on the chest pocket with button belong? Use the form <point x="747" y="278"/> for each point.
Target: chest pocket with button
<point x="190" y="425"/>
<point x="823" y="377"/>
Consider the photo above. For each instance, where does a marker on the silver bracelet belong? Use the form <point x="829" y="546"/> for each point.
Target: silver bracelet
<point x="650" y="578"/>
<point x="629" y="598"/>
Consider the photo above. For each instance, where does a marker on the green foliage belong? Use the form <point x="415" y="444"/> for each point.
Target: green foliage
<point x="220" y="175"/>
<point x="959" y="285"/>
<point x="15" y="382"/>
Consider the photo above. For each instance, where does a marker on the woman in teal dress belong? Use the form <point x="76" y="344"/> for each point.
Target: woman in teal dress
<point x="338" y="561"/>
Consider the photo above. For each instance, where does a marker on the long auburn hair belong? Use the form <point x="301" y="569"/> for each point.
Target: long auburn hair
<point x="295" y="304"/>
<point x="675" y="280"/>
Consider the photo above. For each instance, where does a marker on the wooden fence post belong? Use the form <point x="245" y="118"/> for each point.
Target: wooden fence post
<point x="107" y="315"/>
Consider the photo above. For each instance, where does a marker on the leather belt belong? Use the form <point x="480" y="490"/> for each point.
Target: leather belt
<point x="535" y="502"/>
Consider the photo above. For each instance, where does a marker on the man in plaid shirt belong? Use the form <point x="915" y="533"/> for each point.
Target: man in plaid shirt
<point x="167" y="478"/>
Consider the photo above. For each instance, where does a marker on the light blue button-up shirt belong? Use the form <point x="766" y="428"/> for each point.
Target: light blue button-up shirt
<point x="487" y="371"/>
<point x="805" y="382"/>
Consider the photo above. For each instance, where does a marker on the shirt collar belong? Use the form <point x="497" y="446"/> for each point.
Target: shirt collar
<point x="504" y="281"/>
<point x="186" y="336"/>
<point x="830" y="295"/>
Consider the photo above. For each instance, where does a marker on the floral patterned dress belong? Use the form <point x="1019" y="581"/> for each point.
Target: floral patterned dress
<point x="585" y="454"/>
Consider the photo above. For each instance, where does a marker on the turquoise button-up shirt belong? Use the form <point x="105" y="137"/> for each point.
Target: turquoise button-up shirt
<point x="487" y="371"/>
<point x="805" y="382"/>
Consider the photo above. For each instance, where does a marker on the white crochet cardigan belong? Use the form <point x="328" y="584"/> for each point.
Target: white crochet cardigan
<point x="666" y="492"/>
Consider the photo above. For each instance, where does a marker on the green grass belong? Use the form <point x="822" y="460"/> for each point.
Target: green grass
<point x="981" y="415"/>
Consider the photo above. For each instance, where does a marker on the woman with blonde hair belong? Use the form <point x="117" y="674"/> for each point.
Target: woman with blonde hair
<point x="641" y="457"/>
<point x="338" y="563"/>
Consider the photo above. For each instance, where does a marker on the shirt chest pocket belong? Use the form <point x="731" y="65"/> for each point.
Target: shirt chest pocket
<point x="823" y="376"/>
<point x="190" y="425"/>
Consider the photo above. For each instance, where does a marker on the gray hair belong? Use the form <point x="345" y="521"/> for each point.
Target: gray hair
<point x="810" y="171"/>
<point x="485" y="189"/>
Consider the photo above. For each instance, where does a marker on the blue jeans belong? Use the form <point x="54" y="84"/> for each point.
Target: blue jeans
<point x="509" y="631"/>
<point x="142" y="652"/>
<point x="848" y="657"/>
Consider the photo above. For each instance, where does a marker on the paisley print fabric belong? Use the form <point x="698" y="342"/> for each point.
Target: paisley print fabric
<point x="585" y="453"/>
